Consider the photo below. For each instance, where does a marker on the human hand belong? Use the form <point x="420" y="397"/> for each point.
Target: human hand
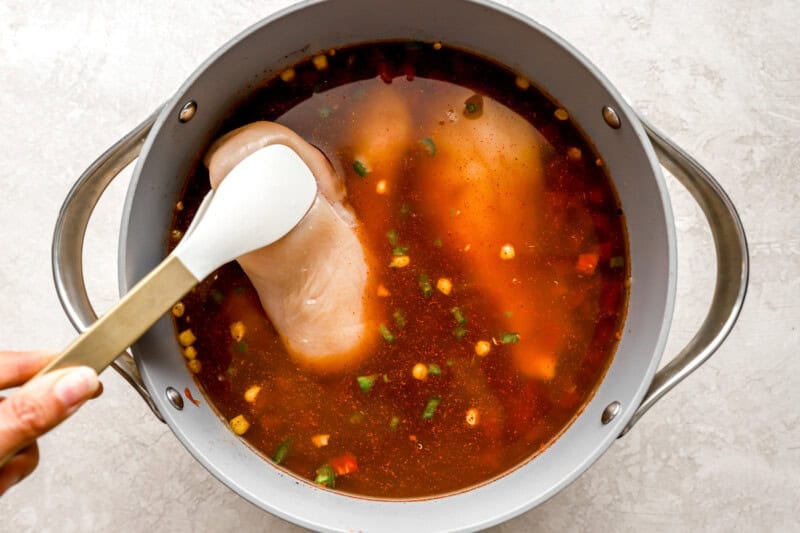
<point x="36" y="408"/>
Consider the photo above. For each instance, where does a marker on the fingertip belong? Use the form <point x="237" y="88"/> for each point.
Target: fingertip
<point x="76" y="386"/>
<point x="98" y="392"/>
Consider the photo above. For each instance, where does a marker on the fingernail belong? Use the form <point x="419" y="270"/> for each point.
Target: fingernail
<point x="76" y="385"/>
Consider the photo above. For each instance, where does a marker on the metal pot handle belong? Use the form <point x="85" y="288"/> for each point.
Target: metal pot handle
<point x="68" y="239"/>
<point x="733" y="266"/>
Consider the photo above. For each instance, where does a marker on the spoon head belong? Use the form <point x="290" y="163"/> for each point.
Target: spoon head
<point x="262" y="199"/>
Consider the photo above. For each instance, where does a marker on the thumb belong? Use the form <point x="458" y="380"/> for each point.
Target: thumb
<point x="41" y="404"/>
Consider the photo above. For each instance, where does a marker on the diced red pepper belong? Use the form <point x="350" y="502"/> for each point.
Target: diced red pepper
<point x="344" y="464"/>
<point x="587" y="263"/>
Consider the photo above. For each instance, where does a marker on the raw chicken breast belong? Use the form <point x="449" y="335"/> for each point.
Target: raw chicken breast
<point x="313" y="283"/>
<point x="488" y="167"/>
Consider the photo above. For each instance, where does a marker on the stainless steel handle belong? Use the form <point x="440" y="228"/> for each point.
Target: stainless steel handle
<point x="68" y="239"/>
<point x="733" y="266"/>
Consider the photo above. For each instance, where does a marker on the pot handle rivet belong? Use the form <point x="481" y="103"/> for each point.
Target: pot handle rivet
<point x="175" y="398"/>
<point x="187" y="111"/>
<point x="610" y="412"/>
<point x="611" y="117"/>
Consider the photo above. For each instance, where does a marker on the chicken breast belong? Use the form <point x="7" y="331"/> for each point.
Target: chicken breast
<point x="313" y="283"/>
<point x="487" y="170"/>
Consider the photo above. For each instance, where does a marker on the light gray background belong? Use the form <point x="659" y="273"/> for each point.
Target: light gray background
<point x="720" y="453"/>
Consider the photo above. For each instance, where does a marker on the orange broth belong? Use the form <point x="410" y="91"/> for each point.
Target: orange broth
<point x="378" y="430"/>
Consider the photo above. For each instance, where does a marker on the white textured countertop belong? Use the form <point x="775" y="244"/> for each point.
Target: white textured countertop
<point x="722" y="77"/>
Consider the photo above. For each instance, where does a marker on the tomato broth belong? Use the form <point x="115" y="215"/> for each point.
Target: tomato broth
<point x="481" y="364"/>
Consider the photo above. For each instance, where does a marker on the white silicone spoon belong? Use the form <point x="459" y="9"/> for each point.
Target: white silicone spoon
<point x="257" y="203"/>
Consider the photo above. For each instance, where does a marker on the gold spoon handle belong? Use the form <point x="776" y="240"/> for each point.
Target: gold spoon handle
<point x="124" y="323"/>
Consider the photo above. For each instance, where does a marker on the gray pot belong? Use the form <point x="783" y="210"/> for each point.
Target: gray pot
<point x="168" y="144"/>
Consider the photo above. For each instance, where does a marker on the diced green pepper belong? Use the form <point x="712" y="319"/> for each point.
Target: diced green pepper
<point x="509" y="338"/>
<point x="459" y="332"/>
<point x="366" y="382"/>
<point x="217" y="296"/>
<point x="282" y="451"/>
<point x="392" y="235"/>
<point x="360" y="168"/>
<point x="386" y="334"/>
<point x="458" y="314"/>
<point x="394" y="422"/>
<point x="326" y="476"/>
<point x="425" y="286"/>
<point x="434" y="370"/>
<point x="430" y="408"/>
<point x="429" y="146"/>
<point x="617" y="262"/>
<point x="473" y="106"/>
<point x="399" y="318"/>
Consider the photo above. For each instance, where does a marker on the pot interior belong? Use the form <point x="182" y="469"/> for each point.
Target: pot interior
<point x="226" y="80"/>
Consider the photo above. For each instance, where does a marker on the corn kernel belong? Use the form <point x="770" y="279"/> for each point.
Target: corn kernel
<point x="507" y="252"/>
<point x="320" y="62"/>
<point x="251" y="394"/>
<point x="444" y="285"/>
<point x="178" y="309"/>
<point x="561" y="114"/>
<point x="472" y="417"/>
<point x="420" y="371"/>
<point x="383" y="292"/>
<point x="179" y="206"/>
<point x="381" y="187"/>
<point x="239" y="425"/>
<point x="194" y="366"/>
<point x="482" y="348"/>
<point x="522" y="83"/>
<point x="190" y="353"/>
<point x="437" y="45"/>
<point x="237" y="331"/>
<point x="320" y="440"/>
<point x="287" y="75"/>
<point x="574" y="153"/>
<point x="400" y="261"/>
<point x="186" y="337"/>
